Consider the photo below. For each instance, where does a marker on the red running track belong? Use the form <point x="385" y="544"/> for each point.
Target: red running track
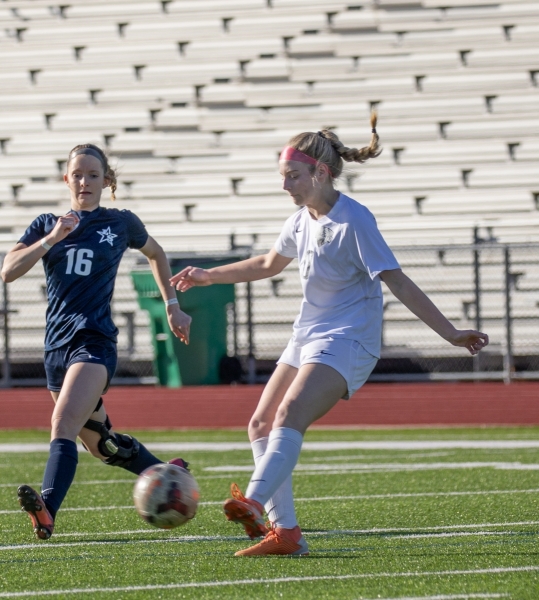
<point x="390" y="404"/>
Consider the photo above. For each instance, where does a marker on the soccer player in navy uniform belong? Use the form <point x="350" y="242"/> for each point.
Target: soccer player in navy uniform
<point x="81" y="252"/>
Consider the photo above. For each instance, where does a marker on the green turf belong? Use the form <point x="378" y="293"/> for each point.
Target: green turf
<point x="400" y="525"/>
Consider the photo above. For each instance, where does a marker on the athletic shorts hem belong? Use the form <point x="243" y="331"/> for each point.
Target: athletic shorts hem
<point x="86" y="347"/>
<point x="347" y="357"/>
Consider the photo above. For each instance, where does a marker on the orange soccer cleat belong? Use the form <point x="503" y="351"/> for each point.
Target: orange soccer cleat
<point x="245" y="511"/>
<point x="280" y="542"/>
<point x="32" y="503"/>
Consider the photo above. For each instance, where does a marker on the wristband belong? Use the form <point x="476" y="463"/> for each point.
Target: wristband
<point x="45" y="245"/>
<point x="171" y="301"/>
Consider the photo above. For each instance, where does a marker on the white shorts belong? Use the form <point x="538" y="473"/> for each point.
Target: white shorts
<point x="347" y="357"/>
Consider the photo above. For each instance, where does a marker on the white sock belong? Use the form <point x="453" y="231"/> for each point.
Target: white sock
<point x="259" y="449"/>
<point x="280" y="507"/>
<point x="278" y="462"/>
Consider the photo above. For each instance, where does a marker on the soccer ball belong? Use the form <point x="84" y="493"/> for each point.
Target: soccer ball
<point x="166" y="495"/>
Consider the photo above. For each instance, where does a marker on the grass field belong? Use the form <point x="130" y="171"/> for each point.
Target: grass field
<point x="387" y="514"/>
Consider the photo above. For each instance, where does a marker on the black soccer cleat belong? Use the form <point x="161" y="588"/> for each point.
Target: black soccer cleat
<point x="33" y="505"/>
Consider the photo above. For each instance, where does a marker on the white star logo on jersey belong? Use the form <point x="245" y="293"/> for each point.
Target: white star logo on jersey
<point x="107" y="236"/>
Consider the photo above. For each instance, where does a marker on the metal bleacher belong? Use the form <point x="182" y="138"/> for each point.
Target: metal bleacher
<point x="193" y="99"/>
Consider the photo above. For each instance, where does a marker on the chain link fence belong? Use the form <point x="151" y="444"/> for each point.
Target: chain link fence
<point x="23" y="309"/>
<point x="488" y="286"/>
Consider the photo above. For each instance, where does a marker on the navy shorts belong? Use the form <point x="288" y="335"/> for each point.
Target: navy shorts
<point x="87" y="346"/>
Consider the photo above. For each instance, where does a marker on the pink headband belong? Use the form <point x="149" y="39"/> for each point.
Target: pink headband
<point x="290" y="153"/>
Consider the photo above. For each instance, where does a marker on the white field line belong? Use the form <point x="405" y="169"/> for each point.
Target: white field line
<point x="276" y="580"/>
<point x="78" y="509"/>
<point x="311" y="499"/>
<point x="148" y="530"/>
<point x="408" y="533"/>
<point x="416" y="495"/>
<point x="419" y="529"/>
<point x="329" y="458"/>
<point x="472" y="596"/>
<point x="449" y="597"/>
<point x="313" y="534"/>
<point x="308" y="446"/>
<point x="187" y="538"/>
<point x="416" y="536"/>
<point x="327" y="533"/>
<point x="94" y="482"/>
<point x="333" y="469"/>
<point x="384" y="467"/>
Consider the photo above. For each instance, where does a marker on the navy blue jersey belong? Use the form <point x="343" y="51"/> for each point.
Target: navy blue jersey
<point x="81" y="270"/>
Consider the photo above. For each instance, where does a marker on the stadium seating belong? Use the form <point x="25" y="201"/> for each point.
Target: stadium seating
<point x="193" y="99"/>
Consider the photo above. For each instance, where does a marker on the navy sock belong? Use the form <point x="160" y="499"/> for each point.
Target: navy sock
<point x="144" y="460"/>
<point x="59" y="473"/>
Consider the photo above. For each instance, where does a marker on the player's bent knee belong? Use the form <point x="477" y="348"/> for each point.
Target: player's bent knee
<point x="118" y="449"/>
<point x="258" y="428"/>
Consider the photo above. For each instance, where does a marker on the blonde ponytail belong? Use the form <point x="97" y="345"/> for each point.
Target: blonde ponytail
<point x="325" y="147"/>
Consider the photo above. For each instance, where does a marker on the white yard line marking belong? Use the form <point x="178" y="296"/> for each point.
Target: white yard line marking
<point x="418" y="529"/>
<point x="336" y="532"/>
<point x="145" y="531"/>
<point x="407" y="531"/>
<point x="187" y="538"/>
<point x="416" y="536"/>
<point x="370" y="456"/>
<point x="449" y="597"/>
<point x="76" y="509"/>
<point x="385" y="467"/>
<point x="313" y="534"/>
<point x="276" y="580"/>
<point x="313" y="499"/>
<point x="416" y="495"/>
<point x="94" y="482"/>
<point x="333" y="469"/>
<point x="317" y="446"/>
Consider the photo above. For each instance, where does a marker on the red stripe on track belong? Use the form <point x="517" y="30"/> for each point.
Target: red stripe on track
<point x="488" y="403"/>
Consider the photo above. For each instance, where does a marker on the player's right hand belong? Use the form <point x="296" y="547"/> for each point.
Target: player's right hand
<point x="473" y="340"/>
<point x="190" y="277"/>
<point x="64" y="226"/>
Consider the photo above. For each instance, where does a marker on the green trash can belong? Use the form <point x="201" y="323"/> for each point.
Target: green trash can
<point x="176" y="364"/>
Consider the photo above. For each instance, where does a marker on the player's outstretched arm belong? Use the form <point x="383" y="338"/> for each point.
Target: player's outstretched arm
<point x="418" y="302"/>
<point x="252" y="269"/>
<point x="178" y="321"/>
<point x="20" y="259"/>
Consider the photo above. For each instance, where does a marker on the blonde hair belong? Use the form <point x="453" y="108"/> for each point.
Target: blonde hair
<point x="325" y="147"/>
<point x="94" y="150"/>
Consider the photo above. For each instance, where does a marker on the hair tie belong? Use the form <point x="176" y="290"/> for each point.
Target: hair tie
<point x="373" y="130"/>
<point x="321" y="134"/>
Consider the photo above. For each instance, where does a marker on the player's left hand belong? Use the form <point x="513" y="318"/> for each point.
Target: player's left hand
<point x="179" y="323"/>
<point x="473" y="340"/>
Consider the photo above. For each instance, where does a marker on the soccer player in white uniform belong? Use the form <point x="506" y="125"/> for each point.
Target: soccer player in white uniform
<point x="337" y="334"/>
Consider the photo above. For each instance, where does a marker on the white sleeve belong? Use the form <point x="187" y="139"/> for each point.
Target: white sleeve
<point x="286" y="244"/>
<point x="372" y="252"/>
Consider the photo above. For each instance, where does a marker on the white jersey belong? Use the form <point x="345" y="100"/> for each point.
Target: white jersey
<point x="340" y="256"/>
